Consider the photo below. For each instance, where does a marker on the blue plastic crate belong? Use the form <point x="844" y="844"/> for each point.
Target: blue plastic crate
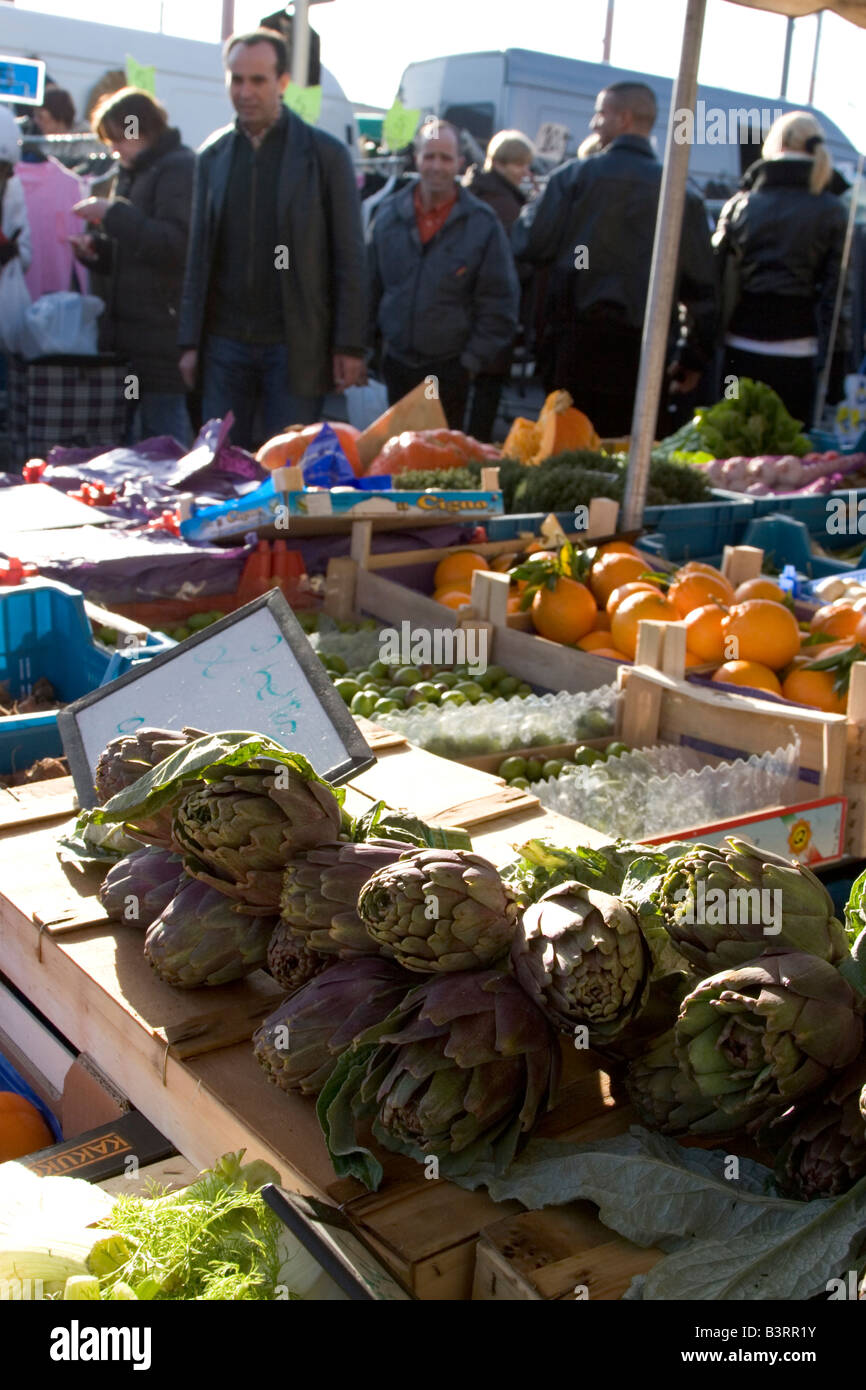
<point x="691" y="529"/>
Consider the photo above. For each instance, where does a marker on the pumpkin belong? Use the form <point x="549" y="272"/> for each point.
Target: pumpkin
<point x="559" y="427"/>
<point x="288" y="448"/>
<point x="424" y="449"/>
<point x="22" y="1128"/>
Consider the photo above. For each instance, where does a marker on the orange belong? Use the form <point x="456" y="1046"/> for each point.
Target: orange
<point x="565" y="613"/>
<point x="749" y="673"/>
<point x="503" y="563"/>
<point x="593" y="640"/>
<point x="611" y="571"/>
<point x="458" y="566"/>
<point x="696" y="590"/>
<point x="704" y="636"/>
<point x="512" y="603"/>
<point x="763" y="631"/>
<point x="22" y="1128"/>
<point x="693" y="660"/>
<point x="814" y="688"/>
<point x="616" y="548"/>
<point x="699" y="567"/>
<point x="612" y="653"/>
<point x="634" y="587"/>
<point x="761" y="587"/>
<point x="451" y="598"/>
<point x="839" y="619"/>
<point x="601" y="622"/>
<point x="633" y="610"/>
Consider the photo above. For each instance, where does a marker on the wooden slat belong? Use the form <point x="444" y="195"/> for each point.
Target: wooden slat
<point x="36" y="801"/>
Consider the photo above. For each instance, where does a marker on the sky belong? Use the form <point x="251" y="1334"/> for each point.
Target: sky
<point x="366" y="44"/>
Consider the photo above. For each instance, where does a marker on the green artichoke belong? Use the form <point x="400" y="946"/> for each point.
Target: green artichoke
<point x="666" y="1098"/>
<point x="237" y="832"/>
<point x="201" y="939"/>
<point x="758" y="1038"/>
<point x="460" y="1072"/>
<point x="320" y="893"/>
<point x="723" y="907"/>
<point x="299" y="1043"/>
<point x="439" y="909"/>
<point x="824" y="1149"/>
<point x="292" y="960"/>
<point x="137" y="888"/>
<point x="580" y="954"/>
<point x="130" y="756"/>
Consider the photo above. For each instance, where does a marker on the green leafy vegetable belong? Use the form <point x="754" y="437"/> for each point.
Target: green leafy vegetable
<point x="753" y="422"/>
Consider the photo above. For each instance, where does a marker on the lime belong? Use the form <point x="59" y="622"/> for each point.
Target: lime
<point x="507" y="686"/>
<point x="533" y="769"/>
<point x="180" y="634"/>
<point x="585" y="757"/>
<point x="524" y="688"/>
<point x="398" y="693"/>
<point x="347" y="688"/>
<point x="364" y="702"/>
<point x="471" y="689"/>
<point x="518" y="782"/>
<point x="492" y="676"/>
<point x="511" y="767"/>
<point x="448" y="678"/>
<point x="335" y="664"/>
<point x="197" y="621"/>
<point x="552" y="768"/>
<point x="616" y="750"/>
<point x="385" y="706"/>
<point x="594" y="723"/>
<point x="453" y="697"/>
<point x="424" y="692"/>
<point x="405" y="675"/>
<point x="379" y="670"/>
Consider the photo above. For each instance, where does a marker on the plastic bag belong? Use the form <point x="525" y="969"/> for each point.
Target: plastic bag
<point x="324" y="464"/>
<point x="366" y="403"/>
<point x="14" y="304"/>
<point x="61" y="324"/>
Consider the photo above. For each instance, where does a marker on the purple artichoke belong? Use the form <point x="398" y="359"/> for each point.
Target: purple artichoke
<point x="300" y="1042"/>
<point x="666" y="1098"/>
<point x="291" y="959"/>
<point x="201" y="939"/>
<point x="137" y="889"/>
<point x="130" y="756"/>
<point x="825" y="1152"/>
<point x="320" y="894"/>
<point x="460" y="1072"/>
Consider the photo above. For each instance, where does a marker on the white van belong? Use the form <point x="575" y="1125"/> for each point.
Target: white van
<point x="189" y="74"/>
<point x="521" y="90"/>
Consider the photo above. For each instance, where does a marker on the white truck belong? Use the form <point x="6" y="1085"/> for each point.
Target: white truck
<point x="189" y="73"/>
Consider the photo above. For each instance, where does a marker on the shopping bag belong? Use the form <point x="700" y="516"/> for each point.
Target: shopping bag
<point x="73" y="401"/>
<point x="61" y="324"/>
<point x="14" y="303"/>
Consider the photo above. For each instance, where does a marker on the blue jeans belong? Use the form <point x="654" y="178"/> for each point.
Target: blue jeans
<point x="237" y="375"/>
<point x="160" y="412"/>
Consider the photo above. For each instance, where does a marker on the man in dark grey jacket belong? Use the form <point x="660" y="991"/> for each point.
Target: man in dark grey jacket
<point x="444" y="290"/>
<point x="273" y="303"/>
<point x="594" y="226"/>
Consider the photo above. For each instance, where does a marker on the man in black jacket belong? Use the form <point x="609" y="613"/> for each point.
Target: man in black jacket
<point x="595" y="225"/>
<point x="273" y="300"/>
<point x="444" y="291"/>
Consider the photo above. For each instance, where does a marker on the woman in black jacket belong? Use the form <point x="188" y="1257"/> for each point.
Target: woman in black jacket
<point x="137" y="238"/>
<point x="780" y="240"/>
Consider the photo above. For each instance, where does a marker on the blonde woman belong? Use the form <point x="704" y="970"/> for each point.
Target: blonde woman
<point x="780" y="244"/>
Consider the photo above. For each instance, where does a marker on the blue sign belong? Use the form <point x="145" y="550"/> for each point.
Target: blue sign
<point x="22" y="79"/>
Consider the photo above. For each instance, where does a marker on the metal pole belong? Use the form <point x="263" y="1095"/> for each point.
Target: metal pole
<point x="786" y="61"/>
<point x="228" y="19"/>
<point x="608" y="32"/>
<point x="815" y="58"/>
<point x="824" y="379"/>
<point x="657" y="317"/>
<point x="301" y="42"/>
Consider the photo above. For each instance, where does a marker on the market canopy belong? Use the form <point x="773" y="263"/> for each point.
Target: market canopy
<point x="854" y="10"/>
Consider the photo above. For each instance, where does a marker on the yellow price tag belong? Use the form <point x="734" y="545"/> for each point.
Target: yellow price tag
<point x="139" y="75"/>
<point x="306" y="102"/>
<point x="400" y="125"/>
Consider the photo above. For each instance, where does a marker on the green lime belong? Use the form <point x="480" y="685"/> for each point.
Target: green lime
<point x="446" y="677"/>
<point x="518" y="782"/>
<point x="524" y="688"/>
<point x="616" y="750"/>
<point x="197" y="621"/>
<point x="492" y="676"/>
<point x="511" y="767"/>
<point x="425" y="692"/>
<point x="180" y="634"/>
<point x="585" y="757"/>
<point x="552" y="768"/>
<point x="385" y="706"/>
<point x="453" y="697"/>
<point x="593" y="723"/>
<point x="364" y="702"/>
<point x="347" y="688"/>
<point x="380" y="687"/>
<point x="471" y="689"/>
<point x="379" y="670"/>
<point x="405" y="675"/>
<point x="507" y="686"/>
<point x="335" y="664"/>
<point x="398" y="693"/>
<point x="533" y="769"/>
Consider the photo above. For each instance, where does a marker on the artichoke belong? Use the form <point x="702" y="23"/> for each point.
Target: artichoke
<point x="708" y="891"/>
<point x="460" y="1072"/>
<point x="130" y="756"/>
<point x="237" y="832"/>
<point x="292" y="960"/>
<point x="320" y="893"/>
<point x="201" y="939"/>
<point x="758" y="1038"/>
<point x="440" y="909"/>
<point x="137" y="888"/>
<point x="666" y="1098"/>
<point x="299" y="1043"/>
<point x="581" y="956"/>
<point x="825" y="1151"/>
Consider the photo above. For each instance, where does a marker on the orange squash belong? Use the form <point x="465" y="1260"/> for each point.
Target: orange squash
<point x="22" y="1128"/>
<point x="423" y="449"/>
<point x="288" y="448"/>
<point x="559" y="427"/>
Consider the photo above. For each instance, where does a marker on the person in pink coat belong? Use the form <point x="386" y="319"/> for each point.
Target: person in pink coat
<point x="50" y="191"/>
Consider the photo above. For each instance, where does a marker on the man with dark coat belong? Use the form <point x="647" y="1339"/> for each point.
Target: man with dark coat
<point x="444" y="291"/>
<point x="273" y="301"/>
<point x="595" y="226"/>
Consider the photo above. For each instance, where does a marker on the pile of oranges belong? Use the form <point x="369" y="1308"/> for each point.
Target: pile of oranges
<point x="747" y="636"/>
